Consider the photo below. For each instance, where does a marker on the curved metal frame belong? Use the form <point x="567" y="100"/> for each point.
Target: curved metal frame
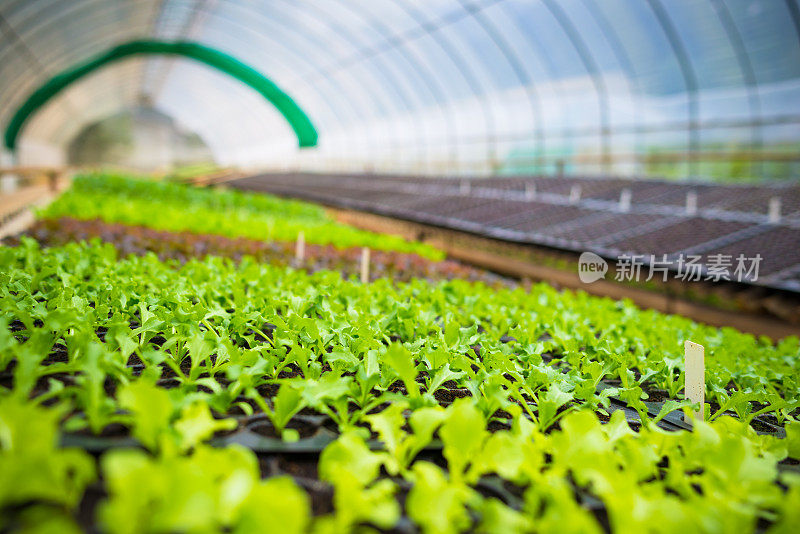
<point x="298" y="120"/>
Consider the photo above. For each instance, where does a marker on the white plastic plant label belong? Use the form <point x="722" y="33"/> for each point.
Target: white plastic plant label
<point x="695" y="385"/>
<point x="300" y="247"/>
<point x="364" y="265"/>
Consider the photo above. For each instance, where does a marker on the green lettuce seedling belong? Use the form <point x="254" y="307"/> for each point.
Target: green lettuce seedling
<point x="33" y="469"/>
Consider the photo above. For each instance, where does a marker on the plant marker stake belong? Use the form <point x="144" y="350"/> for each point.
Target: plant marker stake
<point x="364" y="265"/>
<point x="575" y="194"/>
<point x="775" y="210"/>
<point x="691" y="203"/>
<point x="300" y="248"/>
<point x="695" y="385"/>
<point x="625" y="200"/>
<point x="530" y="191"/>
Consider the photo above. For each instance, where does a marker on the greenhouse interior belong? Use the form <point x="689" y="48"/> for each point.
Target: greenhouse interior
<point x="400" y="266"/>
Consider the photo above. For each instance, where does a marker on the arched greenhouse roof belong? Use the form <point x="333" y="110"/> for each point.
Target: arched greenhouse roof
<point x="625" y="87"/>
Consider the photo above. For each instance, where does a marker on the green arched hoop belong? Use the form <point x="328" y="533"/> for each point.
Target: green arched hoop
<point x="298" y="120"/>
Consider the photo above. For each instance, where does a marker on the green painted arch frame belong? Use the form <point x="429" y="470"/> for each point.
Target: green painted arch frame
<point x="294" y="115"/>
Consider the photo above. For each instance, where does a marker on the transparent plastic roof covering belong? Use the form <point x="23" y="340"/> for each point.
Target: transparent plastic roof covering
<point x="678" y="87"/>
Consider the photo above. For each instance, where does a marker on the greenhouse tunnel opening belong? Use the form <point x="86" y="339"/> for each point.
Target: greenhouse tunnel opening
<point x="141" y="138"/>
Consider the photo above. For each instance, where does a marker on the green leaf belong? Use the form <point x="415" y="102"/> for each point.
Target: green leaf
<point x="349" y="455"/>
<point x="286" y="404"/>
<point x="32" y="467"/>
<point x="670" y="406"/>
<point x="793" y="439"/>
<point x="435" y="504"/>
<point x="152" y="411"/>
<point x="443" y="375"/>
<point x="549" y="403"/>
<point x="402" y="362"/>
<point x="499" y="518"/>
<point x="277" y="506"/>
<point x="463" y="434"/>
<point x="196" y="425"/>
